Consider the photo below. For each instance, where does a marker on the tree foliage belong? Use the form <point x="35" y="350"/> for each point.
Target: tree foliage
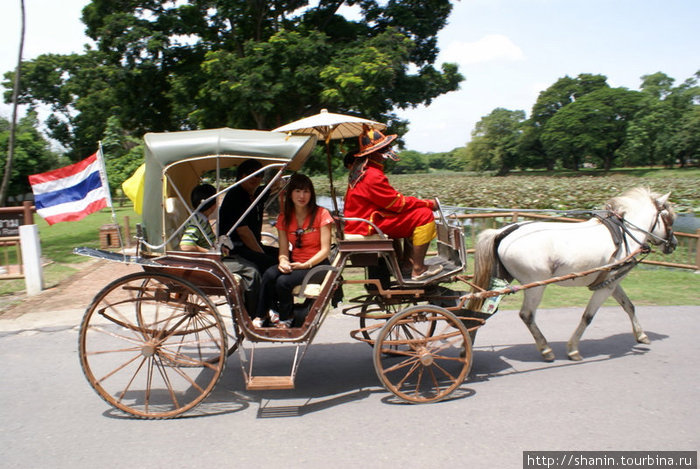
<point x="591" y="129"/>
<point x="494" y="145"/>
<point x="123" y="154"/>
<point x="162" y="66"/>
<point x="583" y="121"/>
<point x="33" y="153"/>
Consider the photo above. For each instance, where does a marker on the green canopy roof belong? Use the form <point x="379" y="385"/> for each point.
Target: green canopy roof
<point x="185" y="156"/>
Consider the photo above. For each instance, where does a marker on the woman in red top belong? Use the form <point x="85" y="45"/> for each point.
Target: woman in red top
<point x="307" y="228"/>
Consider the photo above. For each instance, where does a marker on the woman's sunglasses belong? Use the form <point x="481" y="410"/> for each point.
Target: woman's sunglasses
<point x="298" y="232"/>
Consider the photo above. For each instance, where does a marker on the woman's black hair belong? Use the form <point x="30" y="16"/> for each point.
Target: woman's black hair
<point x="202" y="192"/>
<point x="299" y="181"/>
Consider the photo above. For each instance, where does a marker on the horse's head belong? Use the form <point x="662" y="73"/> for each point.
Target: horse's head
<point x="640" y="206"/>
<point x="662" y="229"/>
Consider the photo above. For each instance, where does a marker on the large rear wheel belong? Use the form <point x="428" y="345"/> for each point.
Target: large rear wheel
<point x="423" y="354"/>
<point x="152" y="345"/>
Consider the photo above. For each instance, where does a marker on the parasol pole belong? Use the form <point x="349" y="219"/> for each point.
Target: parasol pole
<point x="330" y="170"/>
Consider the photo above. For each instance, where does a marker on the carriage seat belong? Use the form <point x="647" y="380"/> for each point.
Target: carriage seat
<point x="313" y="290"/>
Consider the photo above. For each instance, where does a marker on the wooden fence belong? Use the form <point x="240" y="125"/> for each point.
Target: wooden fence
<point x="686" y="255"/>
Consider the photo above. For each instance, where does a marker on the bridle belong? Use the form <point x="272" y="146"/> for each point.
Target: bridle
<point x="669" y="242"/>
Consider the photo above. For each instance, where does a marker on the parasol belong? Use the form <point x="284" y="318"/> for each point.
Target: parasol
<point x="329" y="126"/>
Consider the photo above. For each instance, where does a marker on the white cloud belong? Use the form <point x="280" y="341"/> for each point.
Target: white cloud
<point x="492" y="47"/>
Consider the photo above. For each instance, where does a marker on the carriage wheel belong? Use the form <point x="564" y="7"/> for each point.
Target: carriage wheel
<point x="152" y="345"/>
<point x="423" y="354"/>
<point x="375" y="312"/>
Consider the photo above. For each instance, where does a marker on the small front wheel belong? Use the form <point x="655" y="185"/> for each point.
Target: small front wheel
<point x="152" y="345"/>
<point x="423" y="354"/>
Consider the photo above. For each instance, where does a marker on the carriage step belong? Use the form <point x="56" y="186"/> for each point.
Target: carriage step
<point x="262" y="383"/>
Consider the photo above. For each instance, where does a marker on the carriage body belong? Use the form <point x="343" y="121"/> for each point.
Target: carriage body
<point x="154" y="344"/>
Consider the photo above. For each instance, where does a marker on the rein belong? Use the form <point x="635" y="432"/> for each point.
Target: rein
<point x="669" y="230"/>
<point x="625" y="266"/>
<point x="627" y="263"/>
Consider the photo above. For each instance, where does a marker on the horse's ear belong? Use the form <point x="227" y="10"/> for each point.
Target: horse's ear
<point x="661" y="201"/>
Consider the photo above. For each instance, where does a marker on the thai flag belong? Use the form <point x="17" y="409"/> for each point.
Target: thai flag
<point x="72" y="192"/>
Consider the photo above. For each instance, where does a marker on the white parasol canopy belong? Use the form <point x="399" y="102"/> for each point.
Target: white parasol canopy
<point x="330" y="126"/>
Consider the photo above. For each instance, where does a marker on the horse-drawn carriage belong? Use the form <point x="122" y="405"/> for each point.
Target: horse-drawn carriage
<point x="155" y="343"/>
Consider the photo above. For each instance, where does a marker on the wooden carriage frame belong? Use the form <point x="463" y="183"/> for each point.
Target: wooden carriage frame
<point x="155" y="343"/>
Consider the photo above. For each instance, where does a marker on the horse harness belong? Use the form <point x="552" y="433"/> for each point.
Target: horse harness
<point x="618" y="228"/>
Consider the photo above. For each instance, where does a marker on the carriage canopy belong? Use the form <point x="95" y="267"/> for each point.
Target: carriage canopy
<point x="175" y="161"/>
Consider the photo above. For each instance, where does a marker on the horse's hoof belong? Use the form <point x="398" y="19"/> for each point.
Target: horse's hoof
<point x="575" y="356"/>
<point x="643" y="339"/>
<point x="547" y="354"/>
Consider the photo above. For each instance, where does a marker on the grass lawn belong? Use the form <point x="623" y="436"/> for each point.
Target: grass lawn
<point x="645" y="286"/>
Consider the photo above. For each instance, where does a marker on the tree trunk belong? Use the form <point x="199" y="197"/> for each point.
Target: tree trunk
<point x="11" y="144"/>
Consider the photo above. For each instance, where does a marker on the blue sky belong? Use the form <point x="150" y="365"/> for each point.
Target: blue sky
<point x="508" y="50"/>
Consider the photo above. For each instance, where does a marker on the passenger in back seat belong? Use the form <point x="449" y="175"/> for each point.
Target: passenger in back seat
<point x="247" y="237"/>
<point x="198" y="236"/>
<point x="371" y="197"/>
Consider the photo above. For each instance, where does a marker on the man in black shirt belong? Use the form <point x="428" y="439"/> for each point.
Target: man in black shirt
<point x="246" y="238"/>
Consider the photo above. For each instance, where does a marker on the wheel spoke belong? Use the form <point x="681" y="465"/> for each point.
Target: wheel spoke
<point x="436" y="384"/>
<point x="119" y="368"/>
<point x="166" y="380"/>
<point x="408" y="374"/>
<point x="128" y="385"/>
<point x="417" y="391"/>
<point x="403" y="364"/>
<point x="116" y="335"/>
<point x="188" y="379"/>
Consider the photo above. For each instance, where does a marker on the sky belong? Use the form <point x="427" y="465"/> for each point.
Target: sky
<point x="508" y="50"/>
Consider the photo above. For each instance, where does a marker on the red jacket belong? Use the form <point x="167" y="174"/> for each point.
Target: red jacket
<point x="373" y="199"/>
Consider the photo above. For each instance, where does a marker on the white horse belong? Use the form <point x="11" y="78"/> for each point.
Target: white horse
<point x="535" y="251"/>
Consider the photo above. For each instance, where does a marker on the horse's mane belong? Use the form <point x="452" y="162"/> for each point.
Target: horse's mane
<point x="621" y="203"/>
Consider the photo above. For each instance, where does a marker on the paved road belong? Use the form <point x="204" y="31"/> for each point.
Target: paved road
<point x="623" y="396"/>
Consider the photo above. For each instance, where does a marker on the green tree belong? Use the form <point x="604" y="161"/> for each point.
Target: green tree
<point x="494" y="145"/>
<point x="592" y="128"/>
<point x="123" y="154"/>
<point x="32" y="153"/>
<point x="685" y="142"/>
<point x="648" y="133"/>
<point x="563" y="92"/>
<point x="210" y="63"/>
<point x="665" y="111"/>
<point x="80" y="91"/>
<point x="410" y="162"/>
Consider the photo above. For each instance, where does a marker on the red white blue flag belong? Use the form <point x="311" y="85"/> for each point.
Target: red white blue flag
<point x="72" y="192"/>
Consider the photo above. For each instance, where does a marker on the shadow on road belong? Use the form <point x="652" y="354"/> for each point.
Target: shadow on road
<point x="495" y="361"/>
<point x="336" y="374"/>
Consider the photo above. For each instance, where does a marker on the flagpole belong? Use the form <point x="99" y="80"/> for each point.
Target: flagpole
<point x="105" y="183"/>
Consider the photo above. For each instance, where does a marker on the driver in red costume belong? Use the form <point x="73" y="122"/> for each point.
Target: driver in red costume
<point x="371" y="197"/>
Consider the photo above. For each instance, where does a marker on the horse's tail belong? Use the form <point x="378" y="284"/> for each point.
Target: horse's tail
<point x="484" y="259"/>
